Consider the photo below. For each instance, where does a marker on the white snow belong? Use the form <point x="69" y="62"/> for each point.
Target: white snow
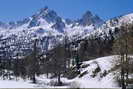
<point x="87" y="81"/>
<point x="105" y="63"/>
<point x="15" y="84"/>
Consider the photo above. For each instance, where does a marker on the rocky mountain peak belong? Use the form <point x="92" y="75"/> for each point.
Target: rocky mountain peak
<point x="45" y="16"/>
<point x="87" y="14"/>
<point x="88" y="18"/>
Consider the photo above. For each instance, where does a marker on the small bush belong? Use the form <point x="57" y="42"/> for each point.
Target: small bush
<point x="96" y="71"/>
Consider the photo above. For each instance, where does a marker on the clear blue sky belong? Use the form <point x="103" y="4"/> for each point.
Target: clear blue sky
<point x="12" y="10"/>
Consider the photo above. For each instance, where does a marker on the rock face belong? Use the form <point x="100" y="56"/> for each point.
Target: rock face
<point x="88" y="19"/>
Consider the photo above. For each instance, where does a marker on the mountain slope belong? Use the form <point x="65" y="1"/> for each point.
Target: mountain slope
<point x="50" y="29"/>
<point x="111" y="26"/>
<point x="47" y="27"/>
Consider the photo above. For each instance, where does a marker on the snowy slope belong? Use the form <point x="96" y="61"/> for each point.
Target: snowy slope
<point x="99" y="81"/>
<point x="111" y="26"/>
<point x="86" y="81"/>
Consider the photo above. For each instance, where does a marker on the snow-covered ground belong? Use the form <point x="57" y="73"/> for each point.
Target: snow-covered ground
<point x="92" y="78"/>
<point x="15" y="84"/>
<point x="99" y="81"/>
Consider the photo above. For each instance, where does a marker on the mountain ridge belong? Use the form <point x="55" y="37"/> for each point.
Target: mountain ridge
<point x="45" y="13"/>
<point x="51" y="29"/>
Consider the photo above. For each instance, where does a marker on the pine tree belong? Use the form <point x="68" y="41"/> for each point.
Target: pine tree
<point x="32" y="66"/>
<point x="16" y="67"/>
<point x="57" y="62"/>
<point x="122" y="47"/>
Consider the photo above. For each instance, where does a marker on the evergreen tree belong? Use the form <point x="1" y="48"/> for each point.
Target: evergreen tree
<point x="57" y="62"/>
<point x="122" y="47"/>
<point x="32" y="65"/>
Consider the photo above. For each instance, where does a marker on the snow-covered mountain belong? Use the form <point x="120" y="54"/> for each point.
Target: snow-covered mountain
<point x="47" y="27"/>
<point x="50" y="29"/>
<point x="112" y="26"/>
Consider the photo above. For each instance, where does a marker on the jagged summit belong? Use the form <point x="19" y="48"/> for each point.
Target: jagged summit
<point x="44" y="10"/>
<point x="45" y="16"/>
<point x="88" y="18"/>
<point x="45" y="13"/>
<point x="87" y="14"/>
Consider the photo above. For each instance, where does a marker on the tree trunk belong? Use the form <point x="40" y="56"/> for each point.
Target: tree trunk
<point x="47" y="74"/>
<point x="59" y="80"/>
<point x="123" y="72"/>
<point x="34" y="79"/>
